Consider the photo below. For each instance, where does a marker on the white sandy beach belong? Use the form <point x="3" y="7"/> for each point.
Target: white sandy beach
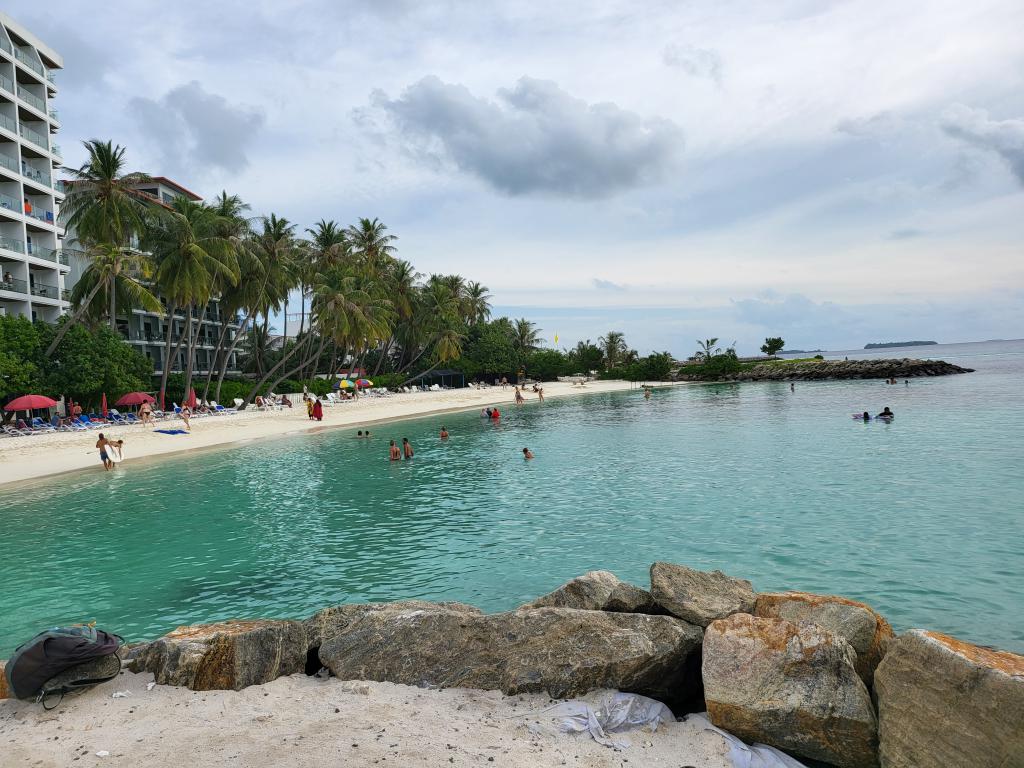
<point x="37" y="456"/>
<point x="304" y="721"/>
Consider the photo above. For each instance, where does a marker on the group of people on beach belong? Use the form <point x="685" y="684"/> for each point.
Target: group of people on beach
<point x="314" y="408"/>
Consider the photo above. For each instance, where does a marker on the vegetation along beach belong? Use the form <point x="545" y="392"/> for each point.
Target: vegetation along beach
<point x="516" y="385"/>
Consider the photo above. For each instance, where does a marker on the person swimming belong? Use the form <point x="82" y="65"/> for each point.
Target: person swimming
<point x="444" y="433"/>
<point x="393" y="452"/>
<point x="527" y="453"/>
<point x="886" y="414"/>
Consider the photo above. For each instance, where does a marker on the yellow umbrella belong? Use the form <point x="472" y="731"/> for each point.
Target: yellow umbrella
<point x="345" y="384"/>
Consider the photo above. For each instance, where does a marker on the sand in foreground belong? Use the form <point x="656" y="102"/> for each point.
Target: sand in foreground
<point x="25" y="458"/>
<point x="303" y="721"/>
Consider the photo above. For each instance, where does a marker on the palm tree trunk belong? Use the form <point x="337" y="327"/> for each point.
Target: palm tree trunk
<point x="190" y="353"/>
<point x="216" y="362"/>
<point x="384" y="353"/>
<point x="285" y="332"/>
<point x="227" y="357"/>
<point x="421" y="375"/>
<point x="73" y="319"/>
<point x="113" y="304"/>
<point x="300" y="366"/>
<point x="259" y="384"/>
<point x="167" y="351"/>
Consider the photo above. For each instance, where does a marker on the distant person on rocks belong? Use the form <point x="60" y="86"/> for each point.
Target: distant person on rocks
<point x="886" y="414"/>
<point x="527" y="453"/>
<point x="394" y="453"/>
<point x="444" y="433"/>
<point x="407" y="448"/>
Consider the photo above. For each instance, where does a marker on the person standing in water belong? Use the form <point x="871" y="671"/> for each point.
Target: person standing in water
<point x="444" y="433"/>
<point x="886" y="414"/>
<point x="394" y="453"/>
<point x="407" y="448"/>
<point x="647" y="393"/>
<point x="103" y="444"/>
<point x="527" y="453"/>
<point x="792" y="387"/>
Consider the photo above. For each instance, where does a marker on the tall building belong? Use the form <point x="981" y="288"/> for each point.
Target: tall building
<point x="32" y="264"/>
<point x="147" y="331"/>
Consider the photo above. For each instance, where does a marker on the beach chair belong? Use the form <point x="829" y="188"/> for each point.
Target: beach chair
<point x="85" y="422"/>
<point x="12" y="431"/>
<point x="38" y="425"/>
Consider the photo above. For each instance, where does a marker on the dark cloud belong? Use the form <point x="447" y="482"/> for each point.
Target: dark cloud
<point x="1003" y="137"/>
<point x="196" y="131"/>
<point x="535" y="138"/>
<point x="696" y="62"/>
<point x="906" y="234"/>
<point x="607" y="285"/>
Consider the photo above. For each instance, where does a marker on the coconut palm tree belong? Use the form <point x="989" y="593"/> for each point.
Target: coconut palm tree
<point x="525" y="337"/>
<point x="708" y="348"/>
<point x="613" y="345"/>
<point x="478" y="307"/>
<point x="370" y="241"/>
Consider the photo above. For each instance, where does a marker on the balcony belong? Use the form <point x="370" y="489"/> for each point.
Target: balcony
<point x="36" y="138"/>
<point x="8" y="162"/>
<point x="12" y="244"/>
<point x="62" y="258"/>
<point x="30" y="98"/>
<point x="38" y="176"/>
<point x="65" y="294"/>
<point x="55" y="149"/>
<point x="47" y="254"/>
<point x="28" y="61"/>
<point x="6" y="84"/>
<point x="5" y="46"/>
<point x="41" y="214"/>
<point x="45" y="291"/>
<point x="54" y="114"/>
<point x="9" y="123"/>
<point x="12" y="285"/>
<point x="8" y="203"/>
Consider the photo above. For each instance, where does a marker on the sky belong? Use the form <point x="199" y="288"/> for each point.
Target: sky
<point x="835" y="172"/>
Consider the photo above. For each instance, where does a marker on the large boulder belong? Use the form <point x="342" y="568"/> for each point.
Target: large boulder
<point x="328" y="622"/>
<point x="4" y="693"/>
<point x="944" y="702"/>
<point x="230" y="655"/>
<point x="562" y="651"/>
<point x="793" y="687"/>
<point x="598" y="591"/>
<point x="864" y="629"/>
<point x="699" y="597"/>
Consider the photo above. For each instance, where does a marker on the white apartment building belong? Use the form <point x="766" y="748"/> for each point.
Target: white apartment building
<point x="32" y="264"/>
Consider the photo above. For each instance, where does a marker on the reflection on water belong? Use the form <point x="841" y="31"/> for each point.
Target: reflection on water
<point x="922" y="518"/>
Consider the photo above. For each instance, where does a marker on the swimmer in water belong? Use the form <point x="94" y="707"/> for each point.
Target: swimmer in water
<point x="867" y="416"/>
<point x="394" y="453"/>
<point x="407" y="448"/>
<point x="527" y="454"/>
<point x="886" y="414"/>
<point x="444" y="433"/>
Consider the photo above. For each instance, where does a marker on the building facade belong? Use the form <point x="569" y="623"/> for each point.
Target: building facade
<point x="147" y="331"/>
<point x="32" y="264"/>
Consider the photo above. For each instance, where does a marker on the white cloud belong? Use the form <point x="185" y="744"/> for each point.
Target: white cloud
<point x="1003" y="137"/>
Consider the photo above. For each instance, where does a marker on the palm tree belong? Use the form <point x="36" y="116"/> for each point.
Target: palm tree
<point x="193" y="259"/>
<point x="525" y="337"/>
<point x="613" y="345"/>
<point x="370" y="241"/>
<point x="478" y="307"/>
<point x="708" y="348"/>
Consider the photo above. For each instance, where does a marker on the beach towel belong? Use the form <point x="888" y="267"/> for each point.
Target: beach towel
<point x="171" y="431"/>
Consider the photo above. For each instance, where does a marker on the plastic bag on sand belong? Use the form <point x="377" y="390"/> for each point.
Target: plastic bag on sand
<point x="617" y="712"/>
<point x="747" y="756"/>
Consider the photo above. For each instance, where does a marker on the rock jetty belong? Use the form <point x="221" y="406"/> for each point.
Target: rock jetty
<point x="819" y="676"/>
<point x="821" y="370"/>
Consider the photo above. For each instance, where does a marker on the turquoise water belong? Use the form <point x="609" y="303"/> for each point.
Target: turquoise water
<point x="922" y="518"/>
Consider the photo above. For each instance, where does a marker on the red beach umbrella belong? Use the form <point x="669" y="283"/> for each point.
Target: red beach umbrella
<point x="192" y="399"/>
<point x="103" y="407"/>
<point x="28" y="402"/>
<point x="135" y="398"/>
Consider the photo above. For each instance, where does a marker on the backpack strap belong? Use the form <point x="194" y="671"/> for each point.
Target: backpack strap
<point x="76" y="685"/>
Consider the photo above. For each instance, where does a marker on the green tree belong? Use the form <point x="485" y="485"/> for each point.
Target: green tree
<point x="773" y="345"/>
<point x="614" y="348"/>
<point x="708" y="348"/>
<point x="489" y="351"/>
<point x="547" y="364"/>
<point x="585" y="357"/>
<point x="525" y="338"/>
<point x="20" y="346"/>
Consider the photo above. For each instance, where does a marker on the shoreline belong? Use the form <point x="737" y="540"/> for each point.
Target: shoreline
<point x="42" y="457"/>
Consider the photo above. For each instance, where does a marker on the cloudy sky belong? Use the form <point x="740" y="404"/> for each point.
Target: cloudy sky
<point x="832" y="171"/>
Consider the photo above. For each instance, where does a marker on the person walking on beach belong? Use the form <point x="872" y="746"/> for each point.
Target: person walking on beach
<point x="504" y="382"/>
<point x="444" y="433"/>
<point x="186" y="414"/>
<point x="318" y="410"/>
<point x="394" y="453"/>
<point x="146" y="415"/>
<point x="406" y="448"/>
<point x="309" y="406"/>
<point x="527" y="453"/>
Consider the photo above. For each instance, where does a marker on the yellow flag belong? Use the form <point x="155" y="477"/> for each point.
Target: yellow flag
<point x="556" y="338"/>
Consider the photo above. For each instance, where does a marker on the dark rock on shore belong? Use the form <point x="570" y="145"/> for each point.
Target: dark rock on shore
<point x="599" y="591"/>
<point x="944" y="702"/>
<point x="227" y="656"/>
<point x="863" y="628"/>
<point x="817" y="370"/>
<point x="330" y="622"/>
<point x="563" y="651"/>
<point x="699" y="597"/>
<point x="793" y="687"/>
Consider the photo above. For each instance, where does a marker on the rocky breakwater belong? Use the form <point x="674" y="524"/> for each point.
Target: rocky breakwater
<point x="821" y="370"/>
<point x="819" y="676"/>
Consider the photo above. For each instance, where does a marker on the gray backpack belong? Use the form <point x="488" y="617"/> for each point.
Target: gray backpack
<point x="61" y="660"/>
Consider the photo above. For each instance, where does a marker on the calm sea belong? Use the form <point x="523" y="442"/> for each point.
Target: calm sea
<point x="922" y="518"/>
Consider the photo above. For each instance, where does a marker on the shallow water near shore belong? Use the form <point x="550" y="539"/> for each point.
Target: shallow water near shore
<point x="922" y="518"/>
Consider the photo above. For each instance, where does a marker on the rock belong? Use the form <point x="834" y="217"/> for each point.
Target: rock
<point x="328" y="622"/>
<point x="699" y="597"/>
<point x="563" y="651"/>
<point x="599" y="591"/>
<point x="227" y="656"/>
<point x="864" y="629"/>
<point x="793" y="687"/>
<point x="944" y="702"/>
<point x="4" y="694"/>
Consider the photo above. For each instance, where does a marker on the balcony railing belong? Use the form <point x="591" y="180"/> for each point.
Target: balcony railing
<point x="65" y="294"/>
<point x="29" y="172"/>
<point x="12" y="244"/>
<point x="41" y="214"/>
<point x="9" y="123"/>
<point x="6" y="84"/>
<point x="63" y="258"/>
<point x="48" y="254"/>
<point x="28" y="61"/>
<point x="55" y="149"/>
<point x="4" y="45"/>
<point x="36" y="138"/>
<point x="15" y="286"/>
<point x="8" y="202"/>
<point x="8" y="162"/>
<point x="54" y="114"/>
<point x="26" y="95"/>
<point x="46" y="291"/>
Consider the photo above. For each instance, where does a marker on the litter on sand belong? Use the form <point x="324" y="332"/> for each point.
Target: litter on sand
<point x="150" y="686"/>
<point x="744" y="755"/>
<point x="120" y="694"/>
<point x="616" y="712"/>
<point x="103" y="753"/>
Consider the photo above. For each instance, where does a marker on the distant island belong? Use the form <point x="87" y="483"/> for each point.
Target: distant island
<point x="887" y="344"/>
<point x="799" y="351"/>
